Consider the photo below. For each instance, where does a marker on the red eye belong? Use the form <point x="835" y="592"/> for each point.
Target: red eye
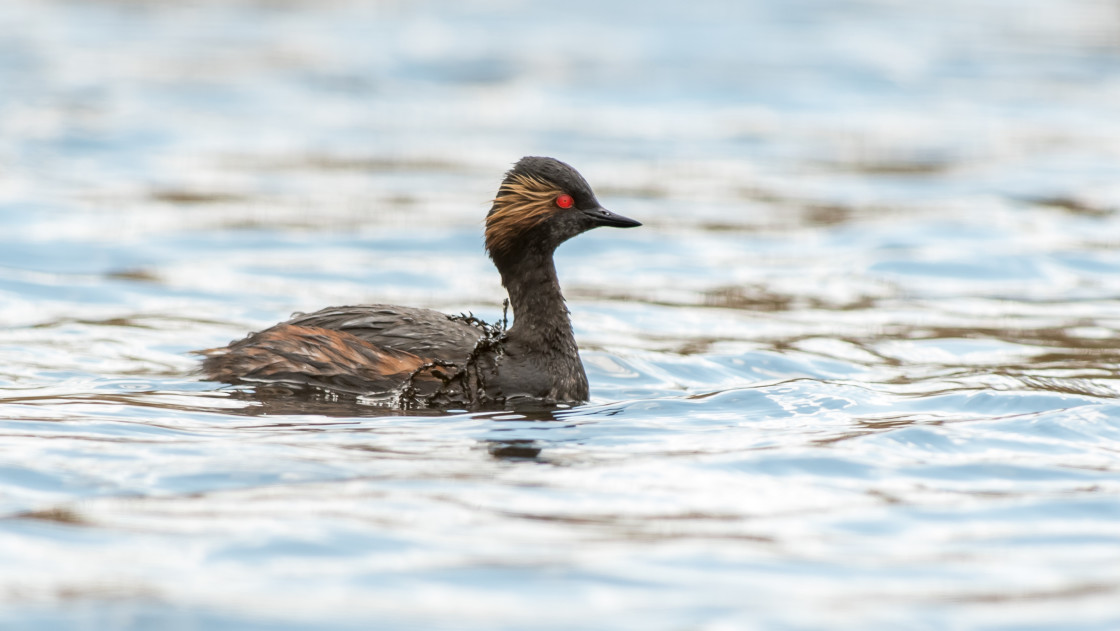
<point x="565" y="201"/>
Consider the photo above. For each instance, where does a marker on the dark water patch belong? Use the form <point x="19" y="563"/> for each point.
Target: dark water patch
<point x="514" y="450"/>
<point x="896" y="167"/>
<point x="338" y="162"/>
<point x="57" y="514"/>
<point x="90" y="403"/>
<point x="185" y="197"/>
<point x="763" y="298"/>
<point x="278" y="400"/>
<point x="828" y="214"/>
<point x="135" y="275"/>
<point x="76" y="594"/>
<point x="719" y="226"/>
<point x="155" y="322"/>
<point x="1072" y="593"/>
<point x="1076" y="206"/>
<point x="760" y="298"/>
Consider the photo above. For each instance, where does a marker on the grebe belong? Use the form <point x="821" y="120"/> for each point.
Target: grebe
<point x="427" y="358"/>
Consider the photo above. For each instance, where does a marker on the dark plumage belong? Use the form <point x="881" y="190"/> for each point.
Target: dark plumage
<point x="429" y="358"/>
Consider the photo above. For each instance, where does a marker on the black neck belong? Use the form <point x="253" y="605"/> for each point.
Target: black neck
<point x="540" y="318"/>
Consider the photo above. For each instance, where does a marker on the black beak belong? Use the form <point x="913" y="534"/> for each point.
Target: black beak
<point x="604" y="217"/>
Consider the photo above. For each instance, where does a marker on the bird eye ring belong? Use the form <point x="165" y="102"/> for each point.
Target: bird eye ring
<point x="565" y="201"/>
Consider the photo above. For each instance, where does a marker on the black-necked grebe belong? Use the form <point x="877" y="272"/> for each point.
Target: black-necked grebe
<point x="425" y="357"/>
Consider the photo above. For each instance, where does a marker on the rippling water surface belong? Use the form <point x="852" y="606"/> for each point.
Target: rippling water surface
<point x="859" y="370"/>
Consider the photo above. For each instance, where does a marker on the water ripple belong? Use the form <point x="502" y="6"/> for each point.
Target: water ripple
<point x="858" y="370"/>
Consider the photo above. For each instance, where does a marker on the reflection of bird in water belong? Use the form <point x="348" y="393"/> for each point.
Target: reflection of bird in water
<point x="429" y="358"/>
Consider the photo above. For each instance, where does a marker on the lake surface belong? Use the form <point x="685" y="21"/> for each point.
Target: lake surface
<point x="859" y="369"/>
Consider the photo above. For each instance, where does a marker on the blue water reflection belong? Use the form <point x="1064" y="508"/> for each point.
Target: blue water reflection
<point x="858" y="370"/>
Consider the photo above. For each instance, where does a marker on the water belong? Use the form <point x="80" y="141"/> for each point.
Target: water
<point x="859" y="370"/>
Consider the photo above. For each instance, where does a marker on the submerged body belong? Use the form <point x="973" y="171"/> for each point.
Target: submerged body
<point x="425" y="357"/>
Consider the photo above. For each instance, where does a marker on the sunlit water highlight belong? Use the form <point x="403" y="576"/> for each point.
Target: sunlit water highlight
<point x="858" y="370"/>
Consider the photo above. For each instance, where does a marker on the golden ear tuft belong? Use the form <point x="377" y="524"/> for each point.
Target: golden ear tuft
<point x="523" y="201"/>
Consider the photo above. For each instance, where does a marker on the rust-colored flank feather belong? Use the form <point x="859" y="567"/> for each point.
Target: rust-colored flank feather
<point x="303" y="354"/>
<point x="522" y="203"/>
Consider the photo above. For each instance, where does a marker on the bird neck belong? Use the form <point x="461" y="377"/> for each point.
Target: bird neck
<point x="540" y="318"/>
